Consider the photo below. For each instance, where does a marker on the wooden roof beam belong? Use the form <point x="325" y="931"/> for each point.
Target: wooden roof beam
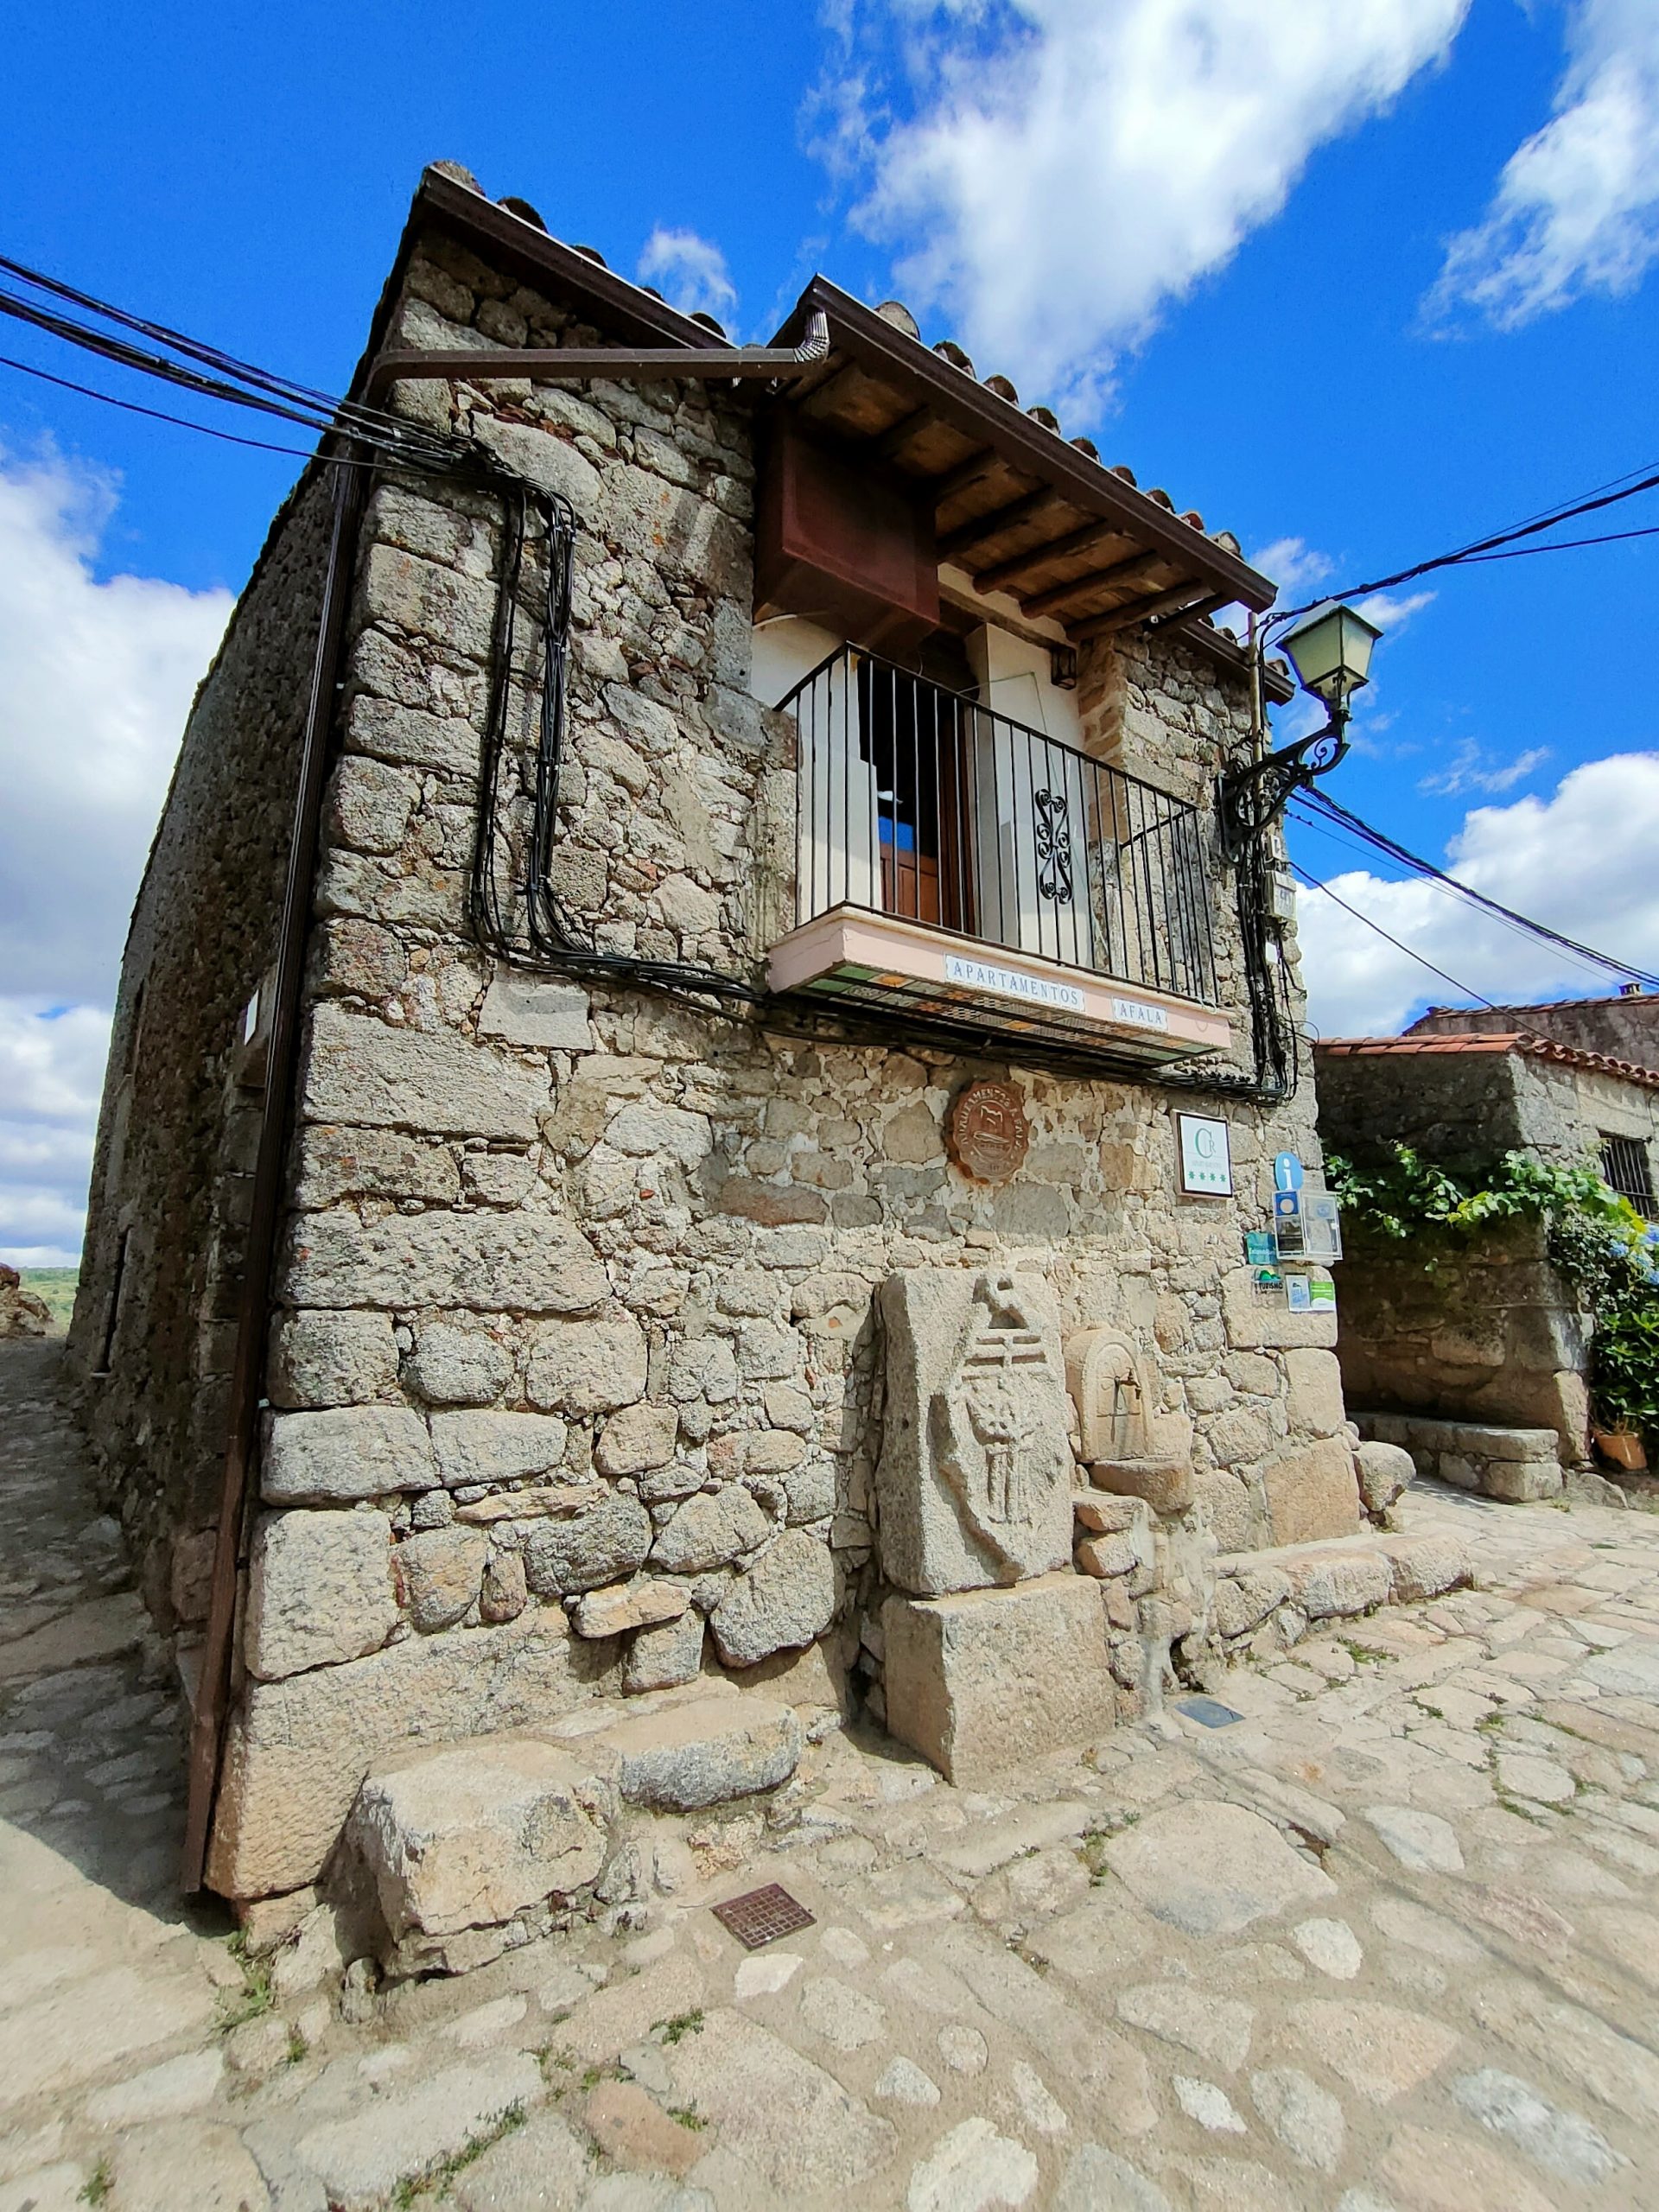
<point x="973" y="470"/>
<point x="893" y="439"/>
<point x="1019" y="565"/>
<point x="1132" y="568"/>
<point x="1188" y="597"/>
<point x="984" y="528"/>
<point x="1027" y="449"/>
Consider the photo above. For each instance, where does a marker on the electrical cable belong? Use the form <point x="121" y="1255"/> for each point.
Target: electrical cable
<point x="334" y="410"/>
<point x="381" y="431"/>
<point x="1414" y="860"/>
<point x="1372" y="849"/>
<point x="1566" y="545"/>
<point x="1314" y="882"/>
<point x="160" y="415"/>
<point x="1478" y="547"/>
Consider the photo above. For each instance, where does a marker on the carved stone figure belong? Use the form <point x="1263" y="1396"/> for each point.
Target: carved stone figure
<point x="975" y="1482"/>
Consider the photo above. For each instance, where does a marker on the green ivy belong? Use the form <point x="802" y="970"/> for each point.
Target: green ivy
<point x="1395" y="1195"/>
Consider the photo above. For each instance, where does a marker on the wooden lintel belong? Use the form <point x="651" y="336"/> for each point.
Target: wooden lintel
<point x="983" y="528"/>
<point x="1187" y="596"/>
<point x="1009" y="573"/>
<point x="1045" y="603"/>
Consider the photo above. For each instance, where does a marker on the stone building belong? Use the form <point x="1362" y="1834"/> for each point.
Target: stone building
<point x="1624" y="1026"/>
<point x="643" y="1143"/>
<point x="1492" y="1340"/>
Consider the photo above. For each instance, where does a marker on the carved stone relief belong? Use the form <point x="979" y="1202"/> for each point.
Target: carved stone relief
<point x="973" y="1487"/>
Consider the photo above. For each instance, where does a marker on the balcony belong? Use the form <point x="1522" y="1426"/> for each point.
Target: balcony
<point x="953" y="864"/>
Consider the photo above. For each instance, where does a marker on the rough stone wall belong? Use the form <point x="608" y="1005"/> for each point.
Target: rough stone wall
<point x="1159" y="708"/>
<point x="1491" y="1333"/>
<point x="576" y="1376"/>
<point x="179" y="1126"/>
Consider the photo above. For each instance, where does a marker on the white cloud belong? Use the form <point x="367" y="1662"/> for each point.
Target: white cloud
<point x="1577" y="206"/>
<point x="1070" y="167"/>
<point x="95" y="683"/>
<point x="1472" y="769"/>
<point x="1294" y="565"/>
<point x="1391" y="614"/>
<point x="1580" y="861"/>
<point x="690" y="271"/>
<point x="51" y="1073"/>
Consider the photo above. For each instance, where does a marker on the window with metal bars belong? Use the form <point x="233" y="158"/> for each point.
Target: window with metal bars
<point x="1625" y="1168"/>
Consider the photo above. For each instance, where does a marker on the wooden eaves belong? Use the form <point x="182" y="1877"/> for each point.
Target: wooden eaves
<point x="1021" y="511"/>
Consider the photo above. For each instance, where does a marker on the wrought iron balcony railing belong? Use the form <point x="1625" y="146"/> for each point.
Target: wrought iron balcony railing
<point x="920" y="802"/>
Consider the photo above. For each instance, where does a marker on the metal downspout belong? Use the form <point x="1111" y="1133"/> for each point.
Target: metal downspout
<point x="212" y="1700"/>
<point x="559" y="365"/>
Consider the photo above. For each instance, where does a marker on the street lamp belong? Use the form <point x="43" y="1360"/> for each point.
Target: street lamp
<point x="1331" y="651"/>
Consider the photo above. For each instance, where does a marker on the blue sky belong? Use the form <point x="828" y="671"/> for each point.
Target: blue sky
<point x="1357" y="283"/>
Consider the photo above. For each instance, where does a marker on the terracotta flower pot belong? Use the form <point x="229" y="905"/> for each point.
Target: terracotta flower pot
<point x="1621" y="1448"/>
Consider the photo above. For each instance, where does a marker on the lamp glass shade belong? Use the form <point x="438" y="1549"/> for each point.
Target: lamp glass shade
<point x="1331" y="651"/>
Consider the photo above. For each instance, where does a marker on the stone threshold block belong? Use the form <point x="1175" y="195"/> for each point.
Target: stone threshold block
<point x="1337" y="1578"/>
<point x="468" y="1847"/>
<point x="468" y="1835"/>
<point x="1518" y="1465"/>
<point x="980" y="1681"/>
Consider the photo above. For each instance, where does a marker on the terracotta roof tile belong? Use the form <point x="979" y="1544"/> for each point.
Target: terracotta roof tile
<point x="1541" y="1005"/>
<point x="1517" y="1040"/>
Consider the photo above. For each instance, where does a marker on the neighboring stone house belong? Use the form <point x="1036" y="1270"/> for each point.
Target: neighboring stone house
<point x="678" y="853"/>
<point x="1494" y="1337"/>
<point x="1624" y="1026"/>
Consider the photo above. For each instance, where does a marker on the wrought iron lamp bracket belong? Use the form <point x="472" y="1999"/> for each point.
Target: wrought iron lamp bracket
<point x="1248" y="801"/>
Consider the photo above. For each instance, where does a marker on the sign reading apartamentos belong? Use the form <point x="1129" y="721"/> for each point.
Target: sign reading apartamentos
<point x="979" y="976"/>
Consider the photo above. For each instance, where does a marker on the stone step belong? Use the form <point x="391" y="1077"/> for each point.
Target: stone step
<point x="683" y="1758"/>
<point x="1335" y="1579"/>
<point x="470" y="1847"/>
<point x="1518" y="1465"/>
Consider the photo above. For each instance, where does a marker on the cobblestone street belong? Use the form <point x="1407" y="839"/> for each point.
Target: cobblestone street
<point x="1386" y="1940"/>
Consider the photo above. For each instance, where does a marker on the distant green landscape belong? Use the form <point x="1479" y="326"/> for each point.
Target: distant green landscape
<point x="55" y="1288"/>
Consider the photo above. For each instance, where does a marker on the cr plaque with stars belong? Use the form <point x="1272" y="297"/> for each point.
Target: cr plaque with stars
<point x="1206" y="1157"/>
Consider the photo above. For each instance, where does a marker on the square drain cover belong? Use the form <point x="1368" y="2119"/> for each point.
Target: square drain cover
<point x="1208" y="1710"/>
<point x="762" y="1915"/>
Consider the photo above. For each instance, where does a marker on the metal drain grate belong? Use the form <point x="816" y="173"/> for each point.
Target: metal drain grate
<point x="762" y="1915"/>
<point x="1208" y="1710"/>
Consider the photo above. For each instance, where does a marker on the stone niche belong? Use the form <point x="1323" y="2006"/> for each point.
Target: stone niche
<point x="1000" y="1650"/>
<point x="1131" y="1447"/>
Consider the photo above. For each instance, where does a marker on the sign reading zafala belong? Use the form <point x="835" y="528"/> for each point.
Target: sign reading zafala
<point x="1206" y="1157"/>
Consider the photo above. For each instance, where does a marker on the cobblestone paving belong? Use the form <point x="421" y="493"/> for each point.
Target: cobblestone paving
<point x="1388" y="1940"/>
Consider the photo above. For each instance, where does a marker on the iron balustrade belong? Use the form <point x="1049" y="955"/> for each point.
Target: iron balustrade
<point x="920" y="802"/>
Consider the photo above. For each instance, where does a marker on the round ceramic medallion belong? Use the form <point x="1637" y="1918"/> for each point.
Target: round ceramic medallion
<point x="986" y="1135"/>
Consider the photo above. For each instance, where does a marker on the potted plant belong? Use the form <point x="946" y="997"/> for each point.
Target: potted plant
<point x="1624" y="1395"/>
<point x="1619" y="1447"/>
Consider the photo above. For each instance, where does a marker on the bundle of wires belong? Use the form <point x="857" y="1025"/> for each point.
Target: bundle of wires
<point x="1314" y="809"/>
<point x="95" y="327"/>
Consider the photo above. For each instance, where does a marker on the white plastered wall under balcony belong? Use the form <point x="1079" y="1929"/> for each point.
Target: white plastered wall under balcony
<point x="1015" y="677"/>
<point x="787" y="648"/>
